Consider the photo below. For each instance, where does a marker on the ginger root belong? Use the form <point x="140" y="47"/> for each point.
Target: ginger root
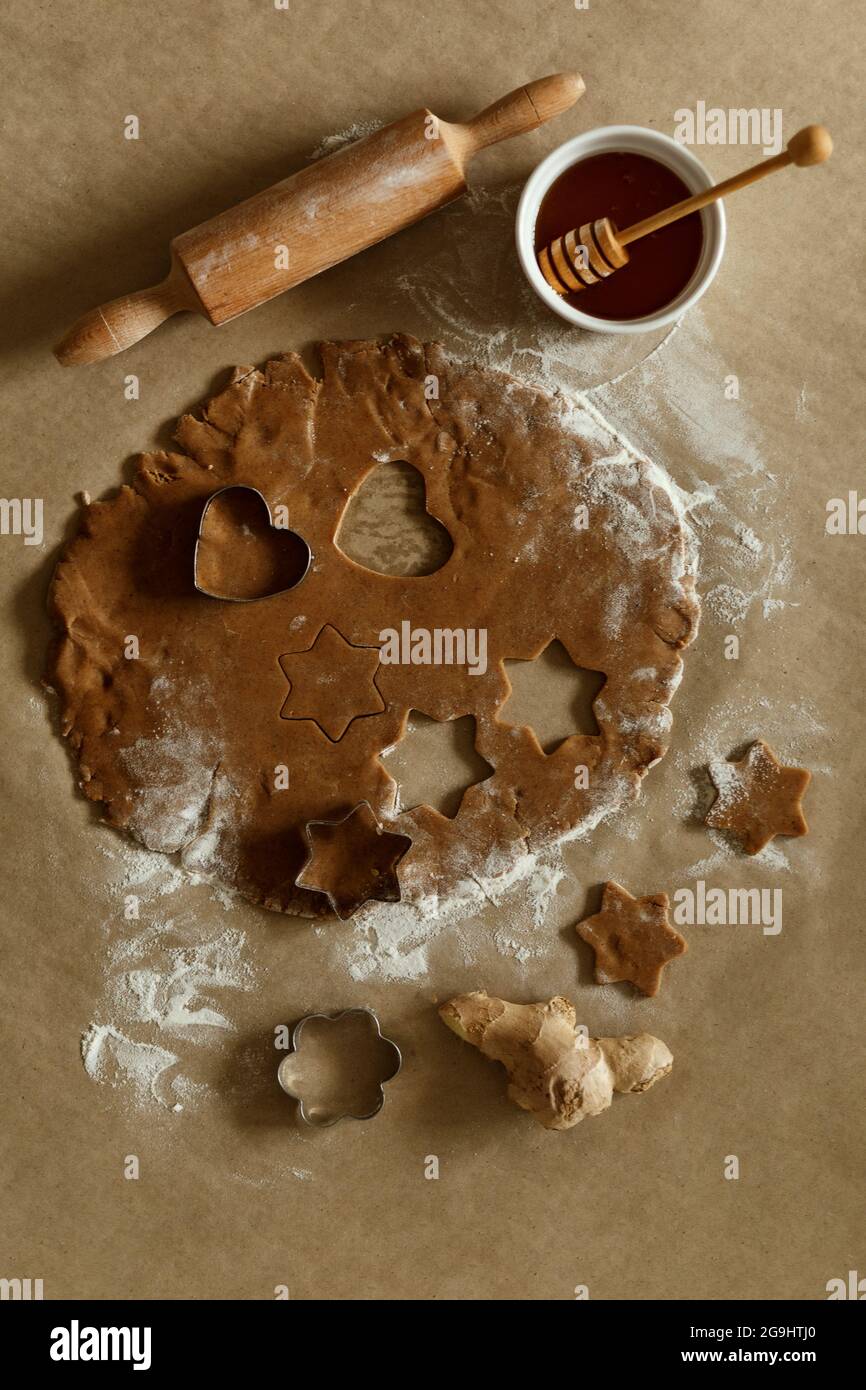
<point x="555" y="1072"/>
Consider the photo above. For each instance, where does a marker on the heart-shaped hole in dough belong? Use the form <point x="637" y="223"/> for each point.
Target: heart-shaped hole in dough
<point x="387" y="528"/>
<point x="240" y="555"/>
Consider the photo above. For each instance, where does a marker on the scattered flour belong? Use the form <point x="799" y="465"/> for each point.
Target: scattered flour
<point x="772" y="856"/>
<point x="273" y="1179"/>
<point x="164" y="978"/>
<point x="395" y="944"/>
<point x="112" y="1058"/>
<point x="167" y="995"/>
<point x="801" y="409"/>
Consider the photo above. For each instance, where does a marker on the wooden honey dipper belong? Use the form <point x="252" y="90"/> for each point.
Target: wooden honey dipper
<point x="583" y="258"/>
<point x="316" y="218"/>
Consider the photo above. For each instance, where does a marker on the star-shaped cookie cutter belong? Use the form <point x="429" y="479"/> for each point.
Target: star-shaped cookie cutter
<point x="229" y="598"/>
<point x="390" y="893"/>
<point x="290" y="1087"/>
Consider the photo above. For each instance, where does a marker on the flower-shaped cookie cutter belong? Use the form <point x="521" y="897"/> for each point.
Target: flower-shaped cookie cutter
<point x="291" y="1082"/>
<point x="238" y="488"/>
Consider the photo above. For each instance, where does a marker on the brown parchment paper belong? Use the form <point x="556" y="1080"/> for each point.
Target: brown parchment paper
<point x="232" y="1199"/>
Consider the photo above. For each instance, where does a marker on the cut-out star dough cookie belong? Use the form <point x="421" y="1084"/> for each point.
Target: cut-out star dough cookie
<point x="758" y="797"/>
<point x="632" y="938"/>
<point x="353" y="861"/>
<point x="559" y="530"/>
<point x="332" y="682"/>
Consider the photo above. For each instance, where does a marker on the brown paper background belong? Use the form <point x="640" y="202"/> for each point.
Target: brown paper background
<point x="766" y="1031"/>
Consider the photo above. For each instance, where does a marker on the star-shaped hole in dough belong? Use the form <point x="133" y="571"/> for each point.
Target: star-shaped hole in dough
<point x="332" y="683"/>
<point x="353" y="861"/>
<point x="632" y="938"/>
<point x="758" y="797"/>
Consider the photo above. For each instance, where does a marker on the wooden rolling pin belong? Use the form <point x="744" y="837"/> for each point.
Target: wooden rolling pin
<point x="316" y="218"/>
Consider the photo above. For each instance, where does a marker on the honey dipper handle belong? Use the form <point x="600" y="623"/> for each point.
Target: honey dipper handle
<point x="522" y="110"/>
<point x="121" y="322"/>
<point x="812" y="145"/>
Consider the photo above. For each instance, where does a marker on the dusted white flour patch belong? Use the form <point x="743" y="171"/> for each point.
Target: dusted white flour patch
<point x="272" y="1179"/>
<point x="399" y="942"/>
<point x="113" y="1059"/>
<point x="175" y="770"/>
<point x="172" y="993"/>
<point x="167" y="987"/>
<point x="772" y="857"/>
<point x="729" y="784"/>
<point x="393" y="945"/>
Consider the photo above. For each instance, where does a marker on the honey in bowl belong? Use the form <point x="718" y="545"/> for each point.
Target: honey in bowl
<point x="626" y="188"/>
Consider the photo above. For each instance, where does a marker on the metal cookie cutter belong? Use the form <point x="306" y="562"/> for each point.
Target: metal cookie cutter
<point x="373" y="853"/>
<point x="290" y="1073"/>
<point x="281" y="530"/>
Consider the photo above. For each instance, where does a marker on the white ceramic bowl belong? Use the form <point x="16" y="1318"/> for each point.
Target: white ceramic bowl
<point x="638" y="140"/>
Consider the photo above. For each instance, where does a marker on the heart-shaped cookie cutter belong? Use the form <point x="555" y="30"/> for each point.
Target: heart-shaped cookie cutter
<point x="229" y="598"/>
<point x="297" y="1033"/>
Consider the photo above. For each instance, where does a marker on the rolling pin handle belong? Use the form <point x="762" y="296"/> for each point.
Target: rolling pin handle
<point x="524" y="109"/>
<point x="112" y="327"/>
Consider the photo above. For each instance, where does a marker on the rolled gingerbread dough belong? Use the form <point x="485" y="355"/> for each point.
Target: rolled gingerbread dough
<point x="218" y="729"/>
